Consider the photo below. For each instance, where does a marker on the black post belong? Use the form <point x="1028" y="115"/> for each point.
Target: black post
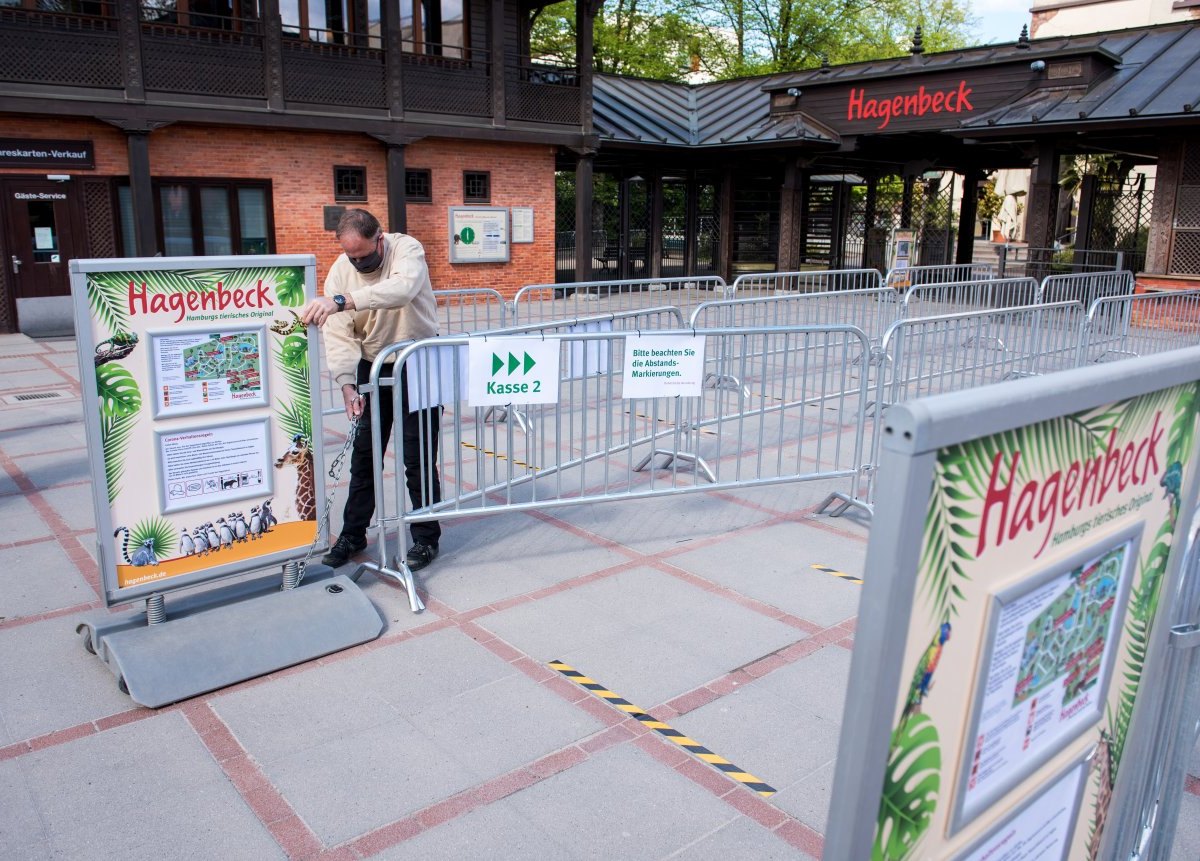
<point x="141" y="193"/>
<point x="656" y="226"/>
<point x="584" y="48"/>
<point x="725" y="240"/>
<point x="129" y="32"/>
<point x="499" y="65"/>
<point x="397" y="208"/>
<point x="965" y="251"/>
<point x="691" y="221"/>
<point x="273" y="54"/>
<point x="837" y="229"/>
<point x="1088" y="186"/>
<point x="906" y="202"/>
<point x="623" y="219"/>
<point x="583" y="216"/>
<point x="393" y="52"/>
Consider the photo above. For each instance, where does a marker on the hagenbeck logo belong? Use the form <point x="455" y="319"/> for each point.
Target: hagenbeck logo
<point x="514" y="362"/>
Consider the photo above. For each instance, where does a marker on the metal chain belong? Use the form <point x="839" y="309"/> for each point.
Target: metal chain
<point x="335" y="472"/>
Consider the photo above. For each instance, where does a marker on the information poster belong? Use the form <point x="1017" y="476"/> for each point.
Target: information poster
<point x="1022" y="571"/>
<point x="522" y="224"/>
<point x="1045" y="667"/>
<point x="203" y="408"/>
<point x="1041" y="830"/>
<point x="663" y="366"/>
<point x="202" y="371"/>
<point x="479" y="234"/>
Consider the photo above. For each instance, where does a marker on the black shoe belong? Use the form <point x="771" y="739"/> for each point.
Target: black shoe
<point x="420" y="555"/>
<point x="341" y="551"/>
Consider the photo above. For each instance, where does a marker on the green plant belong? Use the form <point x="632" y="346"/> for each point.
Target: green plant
<point x="910" y="789"/>
<point x="120" y="401"/>
<point x="159" y="532"/>
<point x="295" y="414"/>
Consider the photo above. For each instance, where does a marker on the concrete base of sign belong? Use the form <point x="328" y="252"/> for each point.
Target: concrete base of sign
<point x="217" y="638"/>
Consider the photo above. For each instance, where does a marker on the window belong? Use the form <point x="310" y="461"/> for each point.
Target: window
<point x="477" y="186"/>
<point x="434" y="27"/>
<point x="418" y="185"/>
<point x="204" y="217"/>
<point x="242" y="15"/>
<point x="349" y="183"/>
<point x="335" y="22"/>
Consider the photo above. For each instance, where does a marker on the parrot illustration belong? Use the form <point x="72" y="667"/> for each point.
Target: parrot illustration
<point x="923" y="677"/>
<point x="1171" y="483"/>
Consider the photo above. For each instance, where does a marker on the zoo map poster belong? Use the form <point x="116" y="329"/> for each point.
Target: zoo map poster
<point x="1039" y="571"/>
<point x="200" y="416"/>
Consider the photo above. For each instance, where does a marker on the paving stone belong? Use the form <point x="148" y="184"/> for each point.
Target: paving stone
<point x="780" y="574"/>
<point x="98" y="799"/>
<point x="1187" y="832"/>
<point x="22" y="834"/>
<point x="816" y="683"/>
<point x="495" y="831"/>
<point x="74" y="504"/>
<point x="808" y="798"/>
<point x="37" y="440"/>
<point x="46" y="414"/>
<point x="53" y="470"/>
<point x="36" y="379"/>
<point x="39" y="577"/>
<point x="746" y="727"/>
<point x="624" y="805"/>
<point x="485" y="560"/>
<point x="742" y="838"/>
<point x="49" y="682"/>
<point x="21" y="520"/>
<point x="557" y="625"/>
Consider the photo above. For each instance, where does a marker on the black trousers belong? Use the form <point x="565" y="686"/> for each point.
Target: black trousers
<point x="421" y="433"/>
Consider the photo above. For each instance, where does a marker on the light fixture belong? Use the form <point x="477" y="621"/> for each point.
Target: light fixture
<point x="1038" y="66"/>
<point x="794" y="92"/>
<point x="58" y="177"/>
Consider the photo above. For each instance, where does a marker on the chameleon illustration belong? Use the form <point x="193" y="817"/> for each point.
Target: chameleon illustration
<point x="287" y="327"/>
<point x="118" y="346"/>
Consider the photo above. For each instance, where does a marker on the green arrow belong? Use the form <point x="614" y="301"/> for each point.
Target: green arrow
<point x="497" y="363"/>
<point x="529" y="363"/>
<point x="513" y="363"/>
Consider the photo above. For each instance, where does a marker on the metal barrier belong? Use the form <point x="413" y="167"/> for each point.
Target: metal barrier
<point x="1122" y="327"/>
<point x="954" y="297"/>
<point x="913" y="276"/>
<point x="798" y="416"/>
<point x="811" y="281"/>
<point x="1085" y="287"/>
<point x="872" y="310"/>
<point x="537" y="302"/>
<point x="460" y="311"/>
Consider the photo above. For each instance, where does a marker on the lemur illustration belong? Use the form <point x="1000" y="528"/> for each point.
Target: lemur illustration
<point x="144" y="555"/>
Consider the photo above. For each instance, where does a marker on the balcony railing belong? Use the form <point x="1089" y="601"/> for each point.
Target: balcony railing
<point x="207" y="55"/>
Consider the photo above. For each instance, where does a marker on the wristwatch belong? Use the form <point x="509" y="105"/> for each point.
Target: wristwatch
<point x="340" y="301"/>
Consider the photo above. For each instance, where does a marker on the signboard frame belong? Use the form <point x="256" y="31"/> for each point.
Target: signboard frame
<point x="85" y="328"/>
<point x="469" y="218"/>
<point x="913" y="434"/>
<point x="522" y="215"/>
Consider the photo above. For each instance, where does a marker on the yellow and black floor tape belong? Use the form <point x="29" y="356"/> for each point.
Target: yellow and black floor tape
<point x="499" y="456"/>
<point x="693" y="747"/>
<point x="836" y="573"/>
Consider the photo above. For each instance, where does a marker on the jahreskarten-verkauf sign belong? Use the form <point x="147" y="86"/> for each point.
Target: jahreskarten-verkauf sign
<point x="32" y="152"/>
<point x="1025" y="541"/>
<point x="202" y="409"/>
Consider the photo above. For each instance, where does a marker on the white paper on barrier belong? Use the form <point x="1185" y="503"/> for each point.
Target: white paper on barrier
<point x="589" y="358"/>
<point x="663" y="366"/>
<point x="503" y="371"/>
<point x="432" y="377"/>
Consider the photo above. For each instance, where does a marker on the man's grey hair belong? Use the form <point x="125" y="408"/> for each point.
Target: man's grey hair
<point x="358" y="221"/>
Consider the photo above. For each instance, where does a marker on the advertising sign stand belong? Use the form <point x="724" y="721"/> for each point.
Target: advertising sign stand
<point x="1024" y="565"/>
<point x="206" y="466"/>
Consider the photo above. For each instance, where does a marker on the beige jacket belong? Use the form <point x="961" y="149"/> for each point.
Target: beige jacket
<point x="393" y="303"/>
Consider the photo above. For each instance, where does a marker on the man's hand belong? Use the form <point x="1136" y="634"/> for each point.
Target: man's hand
<point x="354" y="401"/>
<point x="321" y="309"/>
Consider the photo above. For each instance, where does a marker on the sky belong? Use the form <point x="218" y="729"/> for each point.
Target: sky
<point x="1000" y="20"/>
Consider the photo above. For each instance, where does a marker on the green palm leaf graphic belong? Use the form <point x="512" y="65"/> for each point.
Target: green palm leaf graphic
<point x="289" y="286"/>
<point x="293" y="352"/>
<point x="295" y="414"/>
<point x="118" y="390"/>
<point x="114" y="439"/>
<point x="159" y="532"/>
<point x="910" y="789"/>
<point x="108" y="296"/>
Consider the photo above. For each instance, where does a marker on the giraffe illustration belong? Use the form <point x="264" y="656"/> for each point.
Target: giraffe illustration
<point x="300" y="456"/>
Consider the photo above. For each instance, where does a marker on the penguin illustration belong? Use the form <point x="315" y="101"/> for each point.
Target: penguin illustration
<point x="214" y="539"/>
<point x="239" y="526"/>
<point x="268" y="517"/>
<point x="255" y="524"/>
<point x="226" y="533"/>
<point x="187" y="546"/>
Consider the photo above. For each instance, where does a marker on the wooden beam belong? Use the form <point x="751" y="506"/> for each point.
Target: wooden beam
<point x="129" y="33"/>
<point x="273" y="54"/>
<point x="498" y="65"/>
<point x="141" y="194"/>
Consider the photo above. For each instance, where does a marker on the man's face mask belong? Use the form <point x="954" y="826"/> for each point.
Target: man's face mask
<point x="369" y="262"/>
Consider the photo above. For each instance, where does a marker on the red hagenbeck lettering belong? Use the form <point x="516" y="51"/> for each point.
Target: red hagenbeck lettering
<point x="951" y="101"/>
<point x="141" y="301"/>
<point x="1100" y="473"/>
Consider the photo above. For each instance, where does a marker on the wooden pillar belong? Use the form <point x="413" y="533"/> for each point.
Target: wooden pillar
<point x="393" y="54"/>
<point x="906" y="202"/>
<point x="129" y="34"/>
<point x="584" y="165"/>
<point x="1088" y="185"/>
<point x="396" y="186"/>
<point x="1043" y="197"/>
<point x="1166" y="190"/>
<point x="585" y="16"/>
<point x="654" y="180"/>
<point x="791" y="209"/>
<point x="967" y="211"/>
<point x="273" y="54"/>
<point x="499" y="66"/>
<point x="837" y="227"/>
<point x="141" y="194"/>
<point x="725" y="214"/>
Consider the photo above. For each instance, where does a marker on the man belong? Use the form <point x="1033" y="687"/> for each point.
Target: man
<point x="377" y="293"/>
